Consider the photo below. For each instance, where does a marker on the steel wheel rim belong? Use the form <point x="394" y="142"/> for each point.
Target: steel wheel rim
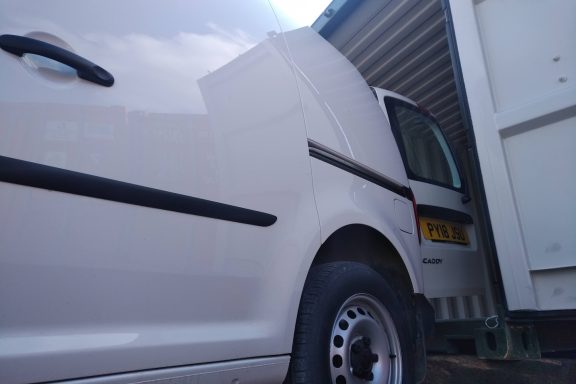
<point x="363" y="316"/>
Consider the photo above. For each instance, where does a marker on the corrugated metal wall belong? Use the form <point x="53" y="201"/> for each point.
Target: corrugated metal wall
<point x="401" y="45"/>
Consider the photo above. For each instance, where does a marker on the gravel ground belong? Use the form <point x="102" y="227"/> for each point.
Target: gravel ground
<point x="459" y="369"/>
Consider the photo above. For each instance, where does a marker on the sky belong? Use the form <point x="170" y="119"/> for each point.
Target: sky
<point x="301" y="12"/>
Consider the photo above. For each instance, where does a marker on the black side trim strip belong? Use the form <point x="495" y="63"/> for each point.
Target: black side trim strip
<point x="43" y="176"/>
<point x="441" y="213"/>
<point x="338" y="160"/>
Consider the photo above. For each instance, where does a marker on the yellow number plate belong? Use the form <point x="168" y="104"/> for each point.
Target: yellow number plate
<point x="438" y="230"/>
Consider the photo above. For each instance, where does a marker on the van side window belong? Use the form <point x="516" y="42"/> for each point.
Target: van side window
<point x="426" y="153"/>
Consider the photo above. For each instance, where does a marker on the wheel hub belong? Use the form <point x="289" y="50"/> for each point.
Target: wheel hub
<point x="362" y="359"/>
<point x="364" y="345"/>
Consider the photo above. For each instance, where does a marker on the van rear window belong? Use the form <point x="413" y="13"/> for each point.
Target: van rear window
<point x="427" y="155"/>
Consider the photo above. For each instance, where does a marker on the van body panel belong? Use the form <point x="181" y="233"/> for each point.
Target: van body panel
<point x="93" y="286"/>
<point x="370" y="205"/>
<point x="339" y="107"/>
<point x="340" y="113"/>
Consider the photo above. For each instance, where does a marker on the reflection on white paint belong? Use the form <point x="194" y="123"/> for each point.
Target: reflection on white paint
<point x="182" y="54"/>
<point x="11" y="346"/>
<point x="183" y="57"/>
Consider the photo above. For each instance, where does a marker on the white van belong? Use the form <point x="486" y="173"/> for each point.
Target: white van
<point x="189" y="195"/>
<point x="206" y="192"/>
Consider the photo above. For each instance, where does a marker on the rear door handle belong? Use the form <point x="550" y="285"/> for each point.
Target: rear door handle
<point x="85" y="69"/>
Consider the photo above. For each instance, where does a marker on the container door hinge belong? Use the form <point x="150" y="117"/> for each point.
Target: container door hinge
<point x="507" y="341"/>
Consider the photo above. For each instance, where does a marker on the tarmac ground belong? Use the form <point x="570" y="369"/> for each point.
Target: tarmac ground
<point x="468" y="369"/>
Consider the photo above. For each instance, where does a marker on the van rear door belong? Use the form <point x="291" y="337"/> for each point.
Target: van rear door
<point x="451" y="262"/>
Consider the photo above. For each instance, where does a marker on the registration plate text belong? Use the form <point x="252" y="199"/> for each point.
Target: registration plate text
<point x="439" y="230"/>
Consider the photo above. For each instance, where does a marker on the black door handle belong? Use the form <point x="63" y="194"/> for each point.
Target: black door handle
<point x="85" y="69"/>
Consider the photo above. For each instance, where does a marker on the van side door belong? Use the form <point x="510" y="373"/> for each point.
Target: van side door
<point x="158" y="221"/>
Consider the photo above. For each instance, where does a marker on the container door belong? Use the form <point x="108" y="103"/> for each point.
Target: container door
<point x="518" y="66"/>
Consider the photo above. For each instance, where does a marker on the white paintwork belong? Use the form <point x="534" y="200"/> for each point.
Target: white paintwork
<point x="523" y="103"/>
<point x="404" y="216"/>
<point x="554" y="288"/>
<point x="344" y="199"/>
<point x="91" y="287"/>
<point x="339" y="107"/>
<point x="264" y="370"/>
<point x="206" y="104"/>
<point x="461" y="272"/>
<point x="546" y="222"/>
<point x="340" y="112"/>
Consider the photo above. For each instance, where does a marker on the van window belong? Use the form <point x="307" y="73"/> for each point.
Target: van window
<point x="426" y="153"/>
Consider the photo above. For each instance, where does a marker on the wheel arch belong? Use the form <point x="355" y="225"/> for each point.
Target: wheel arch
<point x="365" y="244"/>
<point x="353" y="240"/>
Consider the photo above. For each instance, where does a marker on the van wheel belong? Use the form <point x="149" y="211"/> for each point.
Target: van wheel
<point x="352" y="327"/>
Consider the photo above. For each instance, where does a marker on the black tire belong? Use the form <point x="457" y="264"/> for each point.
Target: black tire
<point x="331" y="292"/>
